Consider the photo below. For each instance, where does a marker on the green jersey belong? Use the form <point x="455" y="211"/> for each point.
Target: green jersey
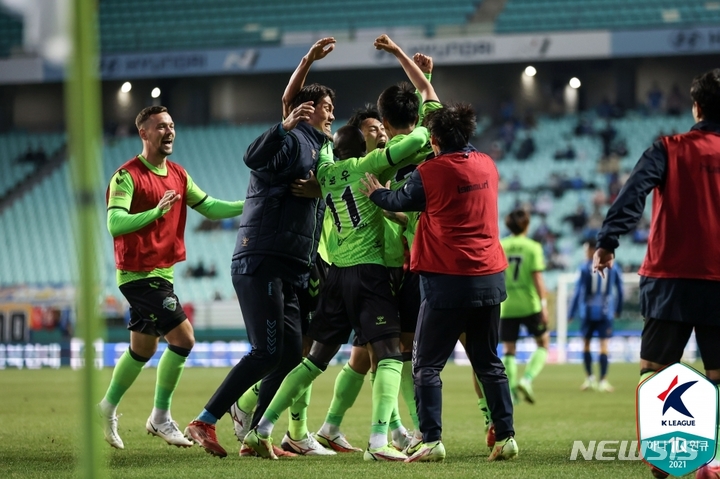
<point x="525" y="257"/>
<point x="358" y="237"/>
<point x="411" y="227"/>
<point x="394" y="247"/>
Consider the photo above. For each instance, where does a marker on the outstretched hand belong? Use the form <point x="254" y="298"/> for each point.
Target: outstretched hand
<point x="424" y="62"/>
<point x="306" y="188"/>
<point x="301" y="112"/>
<point x="168" y="199"/>
<point x="321" y="48"/>
<point x="602" y="259"/>
<point x="371" y="184"/>
<point x="383" y="42"/>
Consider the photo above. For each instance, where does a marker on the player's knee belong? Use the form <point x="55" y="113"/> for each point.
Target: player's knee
<point x="427" y="377"/>
<point x="387" y="348"/>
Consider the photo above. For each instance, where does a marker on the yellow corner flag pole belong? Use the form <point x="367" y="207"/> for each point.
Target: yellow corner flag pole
<point x="83" y="120"/>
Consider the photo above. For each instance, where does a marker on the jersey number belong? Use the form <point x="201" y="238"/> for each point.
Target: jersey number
<point x="350" y="205"/>
<point x="515" y="262"/>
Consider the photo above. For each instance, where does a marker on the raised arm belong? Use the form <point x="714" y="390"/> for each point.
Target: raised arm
<point x="414" y="73"/>
<point x="318" y="51"/>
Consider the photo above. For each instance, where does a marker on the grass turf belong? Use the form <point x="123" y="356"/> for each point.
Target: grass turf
<point x="39" y="433"/>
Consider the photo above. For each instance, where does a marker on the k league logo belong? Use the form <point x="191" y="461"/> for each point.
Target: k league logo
<point x="677" y="419"/>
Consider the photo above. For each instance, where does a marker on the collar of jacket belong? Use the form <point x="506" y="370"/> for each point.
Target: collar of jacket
<point x="706" y="125"/>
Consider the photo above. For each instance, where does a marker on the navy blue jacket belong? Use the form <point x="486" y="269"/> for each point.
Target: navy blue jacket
<point x="274" y="223"/>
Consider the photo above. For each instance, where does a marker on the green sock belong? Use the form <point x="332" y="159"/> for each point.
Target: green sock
<point x="347" y="388"/>
<point x="385" y="392"/>
<point x="248" y="400"/>
<point x="126" y="371"/>
<point x="482" y="405"/>
<point x="511" y="370"/>
<point x="536" y="363"/>
<point x="169" y="370"/>
<point x="297" y="422"/>
<point x="292" y="387"/>
<point x="407" y="388"/>
<point x="395" y="421"/>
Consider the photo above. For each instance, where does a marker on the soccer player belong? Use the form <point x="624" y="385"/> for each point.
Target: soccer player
<point x="461" y="273"/>
<point x="356" y="295"/>
<point x="148" y="231"/>
<point x="597" y="301"/>
<point x="525" y="304"/>
<point x="276" y="247"/>
<point x="680" y="276"/>
<point x="458" y="255"/>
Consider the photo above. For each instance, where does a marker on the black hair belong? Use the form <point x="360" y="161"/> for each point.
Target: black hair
<point x="452" y="126"/>
<point x="517" y="221"/>
<point x="399" y="105"/>
<point x="147" y="113"/>
<point x="705" y="91"/>
<point x="313" y="92"/>
<point x="362" y="114"/>
<point x="349" y="142"/>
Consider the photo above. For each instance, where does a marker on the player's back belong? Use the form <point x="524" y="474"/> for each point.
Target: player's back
<point x="359" y="230"/>
<point x="525" y="257"/>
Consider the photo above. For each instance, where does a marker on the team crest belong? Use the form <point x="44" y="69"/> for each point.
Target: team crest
<point x="170" y="303"/>
<point x="245" y="241"/>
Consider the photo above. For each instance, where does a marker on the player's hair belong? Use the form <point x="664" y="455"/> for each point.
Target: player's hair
<point x="147" y="113"/>
<point x="399" y="105"/>
<point x="362" y="114"/>
<point x="452" y="126"/>
<point x="517" y="221"/>
<point x="705" y="91"/>
<point x="349" y="142"/>
<point x="314" y="93"/>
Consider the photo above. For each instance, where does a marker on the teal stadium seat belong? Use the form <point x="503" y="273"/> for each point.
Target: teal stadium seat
<point x="559" y="15"/>
<point x="130" y="25"/>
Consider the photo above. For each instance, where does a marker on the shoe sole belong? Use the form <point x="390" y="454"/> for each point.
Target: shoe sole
<point x="333" y="445"/>
<point x="425" y="458"/>
<point x="380" y="457"/>
<point x="209" y="450"/>
<point x="153" y="433"/>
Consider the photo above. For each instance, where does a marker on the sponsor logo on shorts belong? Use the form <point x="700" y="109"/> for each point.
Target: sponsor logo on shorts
<point x="380" y="320"/>
<point x="170" y="303"/>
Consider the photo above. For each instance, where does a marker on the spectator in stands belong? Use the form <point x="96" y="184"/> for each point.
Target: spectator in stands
<point x="676" y="101"/>
<point x="507" y="135"/>
<point x="496" y="151"/>
<point x="577" y="182"/>
<point x="583" y="127"/>
<point x="526" y="148"/>
<point x="567" y="153"/>
<point x="680" y="276"/>
<point x="543" y="205"/>
<point x="578" y="220"/>
<point x="641" y="232"/>
<point x="607" y="135"/>
<point x="614" y="187"/>
<point x="515" y="184"/>
<point x="655" y="98"/>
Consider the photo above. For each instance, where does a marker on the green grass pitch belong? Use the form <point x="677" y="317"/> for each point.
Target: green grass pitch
<point x="39" y="434"/>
